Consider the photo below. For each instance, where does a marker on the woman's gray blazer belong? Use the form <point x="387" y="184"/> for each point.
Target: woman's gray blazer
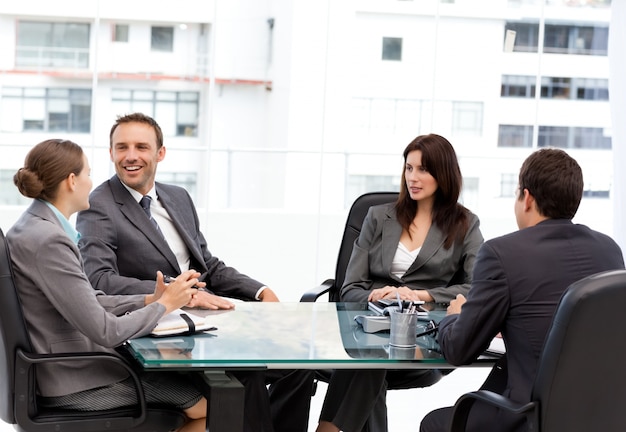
<point x="63" y="312"/>
<point x="433" y="270"/>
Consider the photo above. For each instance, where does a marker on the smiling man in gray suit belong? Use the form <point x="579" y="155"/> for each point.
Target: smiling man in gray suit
<point x="136" y="226"/>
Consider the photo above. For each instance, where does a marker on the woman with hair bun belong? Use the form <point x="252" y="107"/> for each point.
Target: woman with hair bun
<point x="63" y="313"/>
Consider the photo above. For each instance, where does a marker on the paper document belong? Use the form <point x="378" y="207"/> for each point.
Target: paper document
<point x="175" y="323"/>
<point x="497" y="346"/>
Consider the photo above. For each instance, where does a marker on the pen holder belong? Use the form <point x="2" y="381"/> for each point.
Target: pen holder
<point x="402" y="353"/>
<point x="403" y="329"/>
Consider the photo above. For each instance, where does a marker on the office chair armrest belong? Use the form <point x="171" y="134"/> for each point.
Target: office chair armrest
<point x="313" y="294"/>
<point x="24" y="362"/>
<point x="464" y="404"/>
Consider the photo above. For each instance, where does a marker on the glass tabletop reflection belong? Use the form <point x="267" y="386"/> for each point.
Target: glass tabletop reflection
<point x="287" y="336"/>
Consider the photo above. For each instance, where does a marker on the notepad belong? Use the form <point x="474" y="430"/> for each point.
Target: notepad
<point x="496" y="346"/>
<point x="180" y="322"/>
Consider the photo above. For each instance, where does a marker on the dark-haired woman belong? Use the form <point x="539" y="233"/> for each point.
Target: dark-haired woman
<point x="64" y="313"/>
<point x="414" y="248"/>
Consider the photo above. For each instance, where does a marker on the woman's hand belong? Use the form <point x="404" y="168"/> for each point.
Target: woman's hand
<point x="405" y="293"/>
<point x="179" y="291"/>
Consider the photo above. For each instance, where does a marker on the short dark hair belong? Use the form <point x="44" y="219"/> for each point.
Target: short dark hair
<point x="46" y="166"/>
<point x="138" y="118"/>
<point x="555" y="180"/>
<point x="439" y="158"/>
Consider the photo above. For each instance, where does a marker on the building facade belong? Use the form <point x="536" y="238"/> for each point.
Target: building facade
<point x="277" y="114"/>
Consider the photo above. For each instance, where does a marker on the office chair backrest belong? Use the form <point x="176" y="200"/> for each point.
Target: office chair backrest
<point x="354" y="222"/>
<point x="581" y="380"/>
<point x="12" y="332"/>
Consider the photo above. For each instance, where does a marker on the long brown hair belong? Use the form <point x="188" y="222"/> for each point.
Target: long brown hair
<point x="439" y="158"/>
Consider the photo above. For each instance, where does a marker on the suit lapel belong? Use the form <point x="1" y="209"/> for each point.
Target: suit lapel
<point x="136" y="216"/>
<point x="181" y="221"/>
<point x="433" y="242"/>
<point x="391" y="236"/>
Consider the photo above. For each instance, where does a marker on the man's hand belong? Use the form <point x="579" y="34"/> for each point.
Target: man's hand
<point x="456" y="305"/>
<point x="267" y="295"/>
<point x="205" y="300"/>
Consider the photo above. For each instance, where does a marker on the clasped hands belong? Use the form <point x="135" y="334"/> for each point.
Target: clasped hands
<point x="200" y="298"/>
<point x="405" y="293"/>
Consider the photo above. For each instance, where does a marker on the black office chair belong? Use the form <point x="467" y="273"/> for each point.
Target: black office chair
<point x="354" y="222"/>
<point x="18" y="384"/>
<point x="581" y="375"/>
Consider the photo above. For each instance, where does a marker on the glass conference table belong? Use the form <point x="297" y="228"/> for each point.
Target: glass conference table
<point x="259" y="336"/>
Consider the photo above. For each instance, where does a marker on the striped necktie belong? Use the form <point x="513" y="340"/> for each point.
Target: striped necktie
<point x="145" y="205"/>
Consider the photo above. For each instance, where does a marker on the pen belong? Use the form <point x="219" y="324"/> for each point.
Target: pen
<point x="432" y="327"/>
<point x="168" y="279"/>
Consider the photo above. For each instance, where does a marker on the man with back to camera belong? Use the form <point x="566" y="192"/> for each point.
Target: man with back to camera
<point x="518" y="281"/>
<point x="123" y="245"/>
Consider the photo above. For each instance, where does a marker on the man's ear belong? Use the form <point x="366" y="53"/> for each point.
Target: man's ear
<point x="529" y="201"/>
<point x="161" y="154"/>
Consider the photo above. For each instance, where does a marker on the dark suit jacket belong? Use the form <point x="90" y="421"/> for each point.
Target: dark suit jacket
<point x="518" y="281"/>
<point x="63" y="313"/>
<point x="122" y="250"/>
<point x="433" y="270"/>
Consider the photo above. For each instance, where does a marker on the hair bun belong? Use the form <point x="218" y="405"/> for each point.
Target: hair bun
<point x="28" y="183"/>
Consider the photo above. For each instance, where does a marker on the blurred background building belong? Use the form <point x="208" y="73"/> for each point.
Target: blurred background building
<point x="278" y="113"/>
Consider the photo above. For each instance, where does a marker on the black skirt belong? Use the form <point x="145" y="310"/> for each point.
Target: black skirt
<point x="177" y="390"/>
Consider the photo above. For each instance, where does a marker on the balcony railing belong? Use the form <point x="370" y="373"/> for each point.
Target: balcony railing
<point x="52" y="57"/>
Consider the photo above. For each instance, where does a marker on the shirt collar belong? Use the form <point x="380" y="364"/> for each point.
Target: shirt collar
<point x="137" y="196"/>
<point x="67" y="226"/>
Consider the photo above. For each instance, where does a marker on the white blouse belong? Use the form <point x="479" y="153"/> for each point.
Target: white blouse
<point x="403" y="260"/>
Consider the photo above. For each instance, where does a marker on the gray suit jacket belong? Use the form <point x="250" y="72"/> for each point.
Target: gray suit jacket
<point x="63" y="313"/>
<point x="518" y="281"/>
<point x="122" y="250"/>
<point x="370" y="264"/>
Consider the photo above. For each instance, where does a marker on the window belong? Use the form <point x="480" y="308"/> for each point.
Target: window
<point x="590" y="88"/>
<point x="557" y="88"/>
<point x="177" y="111"/>
<point x="120" y="33"/>
<point x="518" y="86"/>
<point x="526" y="36"/>
<point x="9" y="194"/>
<point x="515" y="136"/>
<point x="553" y="136"/>
<point x="563" y="39"/>
<point x="508" y="185"/>
<point x="560" y="39"/>
<point x="588" y="193"/>
<point x="470" y="197"/>
<point x="186" y="180"/>
<point x="162" y="39"/>
<point x="467" y="118"/>
<point x="45" y="110"/>
<point x="52" y="44"/>
<point x="360" y="184"/>
<point x="386" y="116"/>
<point x="590" y="138"/>
<point x="573" y="137"/>
<point x="392" y="48"/>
